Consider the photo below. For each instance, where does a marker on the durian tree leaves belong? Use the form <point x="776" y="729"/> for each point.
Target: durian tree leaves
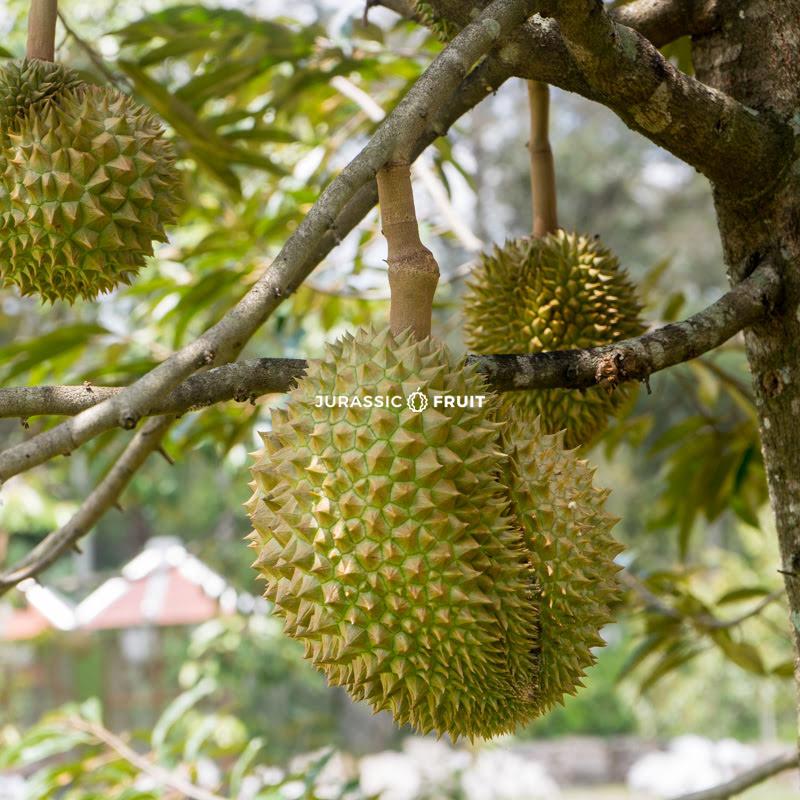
<point x="69" y="753"/>
<point x="44" y="356"/>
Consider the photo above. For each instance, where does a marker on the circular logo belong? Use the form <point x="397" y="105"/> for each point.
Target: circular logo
<point x="417" y="401"/>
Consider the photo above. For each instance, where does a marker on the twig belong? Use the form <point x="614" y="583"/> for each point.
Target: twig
<point x="160" y="775"/>
<point x="96" y="504"/>
<point x="631" y="359"/>
<point x="117" y="80"/>
<point x="42" y="29"/>
<point x="746" y="780"/>
<point x="424" y="113"/>
<point x="654" y="603"/>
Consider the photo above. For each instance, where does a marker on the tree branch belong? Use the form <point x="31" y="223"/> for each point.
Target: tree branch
<point x="586" y="52"/>
<point x="743" y="782"/>
<point x="638" y="358"/>
<point x="664" y="21"/>
<point x="96" y="504"/>
<point x="707" y="622"/>
<point x="435" y="101"/>
<point x="632" y="359"/>
<point x="736" y="148"/>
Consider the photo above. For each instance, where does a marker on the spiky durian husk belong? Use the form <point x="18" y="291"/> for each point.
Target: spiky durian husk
<point x="443" y="28"/>
<point x="87" y="183"/>
<point x="568" y="537"/>
<point x="383" y="538"/>
<point x="558" y="292"/>
<point x="30" y="84"/>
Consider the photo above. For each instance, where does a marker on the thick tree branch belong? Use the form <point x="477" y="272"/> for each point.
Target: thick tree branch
<point x="736" y="148"/>
<point x="632" y="359"/>
<point x="96" y="504"/>
<point x="664" y="21"/>
<point x="741" y="783"/>
<point x="638" y="358"/>
<point x="438" y="98"/>
<point x="586" y="52"/>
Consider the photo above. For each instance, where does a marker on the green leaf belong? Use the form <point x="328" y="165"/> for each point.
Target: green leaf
<point x="243" y="764"/>
<point x="177" y="709"/>
<point x="649" y="645"/>
<point x="743" y="593"/>
<point x="740" y="653"/>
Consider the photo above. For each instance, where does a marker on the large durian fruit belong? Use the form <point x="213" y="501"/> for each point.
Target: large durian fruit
<point x="386" y="544"/>
<point x="559" y="292"/>
<point x="445" y="566"/>
<point x="87" y="184"/>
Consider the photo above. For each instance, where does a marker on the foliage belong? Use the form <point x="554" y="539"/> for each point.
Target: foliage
<point x="70" y="755"/>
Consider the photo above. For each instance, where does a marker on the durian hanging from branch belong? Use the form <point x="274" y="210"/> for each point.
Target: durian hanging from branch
<point x="552" y="291"/>
<point x="87" y="180"/>
<point x="431" y="563"/>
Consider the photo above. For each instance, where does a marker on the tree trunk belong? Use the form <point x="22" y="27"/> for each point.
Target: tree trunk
<point x="754" y="57"/>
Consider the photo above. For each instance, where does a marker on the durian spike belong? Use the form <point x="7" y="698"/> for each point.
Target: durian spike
<point x="543" y="173"/>
<point x="42" y="29"/>
<point x="413" y="271"/>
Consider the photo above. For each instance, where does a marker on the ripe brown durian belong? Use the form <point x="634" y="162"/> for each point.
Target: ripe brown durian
<point x="559" y="292"/>
<point x="87" y="184"/>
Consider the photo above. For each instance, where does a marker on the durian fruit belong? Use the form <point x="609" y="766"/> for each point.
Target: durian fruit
<point x="87" y="184"/>
<point x="385" y="542"/>
<point x="29" y="84"/>
<point x="561" y="291"/>
<point x="568" y="539"/>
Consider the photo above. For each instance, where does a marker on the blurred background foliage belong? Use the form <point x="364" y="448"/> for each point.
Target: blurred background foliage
<point x="263" y="101"/>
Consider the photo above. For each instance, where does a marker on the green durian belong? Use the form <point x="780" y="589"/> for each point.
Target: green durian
<point x="443" y="565"/>
<point x="87" y="184"/>
<point x="384" y="539"/>
<point x="559" y="292"/>
<point x="29" y="84"/>
<point x="568" y="539"/>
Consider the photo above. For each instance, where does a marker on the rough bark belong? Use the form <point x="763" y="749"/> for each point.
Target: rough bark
<point x="754" y="58"/>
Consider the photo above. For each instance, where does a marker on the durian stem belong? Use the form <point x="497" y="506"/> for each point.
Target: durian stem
<point x="543" y="172"/>
<point x="42" y="29"/>
<point x="413" y="271"/>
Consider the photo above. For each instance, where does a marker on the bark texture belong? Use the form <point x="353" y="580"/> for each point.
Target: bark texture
<point x="754" y="58"/>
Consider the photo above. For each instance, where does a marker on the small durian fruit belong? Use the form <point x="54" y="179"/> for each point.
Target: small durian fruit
<point x="561" y="291"/>
<point x="29" y="84"/>
<point x="572" y="552"/>
<point x="87" y="184"/>
<point x="384" y="538"/>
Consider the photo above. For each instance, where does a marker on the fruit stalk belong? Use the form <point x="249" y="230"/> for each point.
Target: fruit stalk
<point x="42" y="29"/>
<point x="543" y="173"/>
<point x="413" y="271"/>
